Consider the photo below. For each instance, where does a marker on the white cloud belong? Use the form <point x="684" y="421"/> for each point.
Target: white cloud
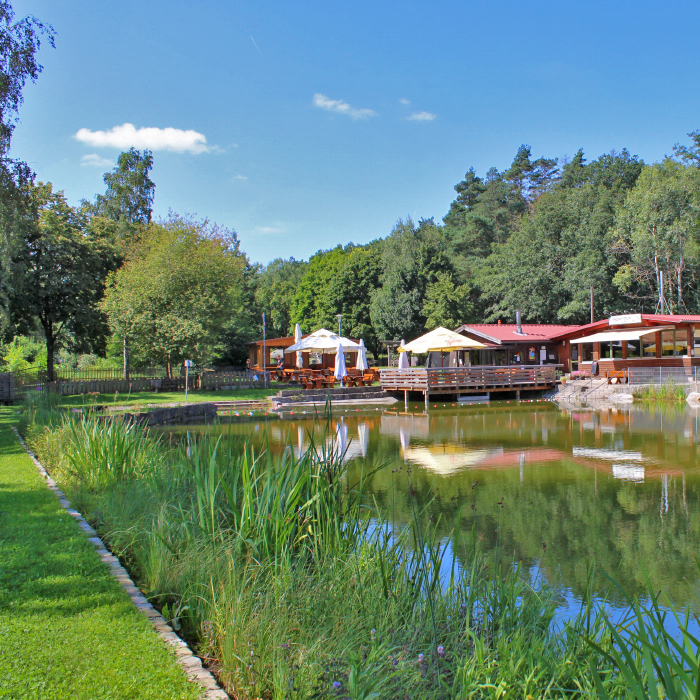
<point x="404" y="101"/>
<point x="240" y="177"/>
<point x="127" y="135"/>
<point x="342" y="107"/>
<point x="97" y="161"/>
<point x="269" y="229"/>
<point x="422" y="117"/>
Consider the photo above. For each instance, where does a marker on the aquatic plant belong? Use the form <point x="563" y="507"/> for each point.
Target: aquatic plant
<point x="291" y="583"/>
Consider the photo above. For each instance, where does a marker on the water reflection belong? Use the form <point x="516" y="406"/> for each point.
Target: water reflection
<point x="618" y="487"/>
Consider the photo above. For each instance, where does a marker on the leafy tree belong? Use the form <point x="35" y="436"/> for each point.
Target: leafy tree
<point x="656" y="228"/>
<point x="412" y="257"/>
<point x="177" y="291"/>
<point x="468" y="193"/>
<point x="563" y="247"/>
<point x="19" y="43"/>
<point x="447" y="304"/>
<point x="339" y="281"/>
<point x="572" y="173"/>
<point x="276" y="287"/>
<point x="128" y="201"/>
<point x="58" y="271"/>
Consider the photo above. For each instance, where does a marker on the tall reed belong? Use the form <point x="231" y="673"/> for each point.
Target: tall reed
<point x="292" y="584"/>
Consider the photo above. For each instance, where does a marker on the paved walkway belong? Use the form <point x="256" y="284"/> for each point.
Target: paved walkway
<point x="67" y="628"/>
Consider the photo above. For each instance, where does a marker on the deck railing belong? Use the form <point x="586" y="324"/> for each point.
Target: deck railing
<point x="442" y="378"/>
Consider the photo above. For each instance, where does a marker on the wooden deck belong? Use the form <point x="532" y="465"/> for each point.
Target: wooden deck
<point x="468" y="380"/>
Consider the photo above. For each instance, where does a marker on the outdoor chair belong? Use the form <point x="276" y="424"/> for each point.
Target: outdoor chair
<point x="306" y="382"/>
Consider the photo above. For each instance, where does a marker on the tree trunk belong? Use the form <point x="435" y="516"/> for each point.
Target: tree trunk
<point x="126" y="358"/>
<point x="50" y="350"/>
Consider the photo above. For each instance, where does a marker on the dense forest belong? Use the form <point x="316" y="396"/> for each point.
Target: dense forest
<point x="534" y="237"/>
<point x="103" y="284"/>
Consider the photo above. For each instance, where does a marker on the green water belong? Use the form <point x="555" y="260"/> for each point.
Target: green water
<point x="551" y="488"/>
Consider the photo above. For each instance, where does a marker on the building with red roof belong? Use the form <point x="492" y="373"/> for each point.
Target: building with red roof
<point x="611" y="344"/>
<point x="514" y="344"/>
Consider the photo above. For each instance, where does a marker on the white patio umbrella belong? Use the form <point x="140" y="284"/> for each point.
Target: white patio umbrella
<point x="403" y="358"/>
<point x="340" y="370"/>
<point x="325" y="341"/>
<point x="362" y="357"/>
<point x="297" y="339"/>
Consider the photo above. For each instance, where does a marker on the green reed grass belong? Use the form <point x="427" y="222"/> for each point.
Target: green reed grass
<point x="292" y="584"/>
<point x="669" y="392"/>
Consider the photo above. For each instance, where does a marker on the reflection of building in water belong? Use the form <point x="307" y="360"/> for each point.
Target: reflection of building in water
<point x="608" y="455"/>
<point x="446" y="459"/>
<point x="414" y="425"/>
<point x="628" y="472"/>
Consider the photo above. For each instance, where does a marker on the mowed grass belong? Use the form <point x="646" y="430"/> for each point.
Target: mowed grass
<point x="67" y="628"/>
<point x="144" y="398"/>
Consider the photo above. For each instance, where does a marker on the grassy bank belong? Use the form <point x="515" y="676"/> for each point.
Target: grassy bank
<point x="67" y="629"/>
<point x="660" y="393"/>
<point x="141" y="399"/>
<point x="292" y="585"/>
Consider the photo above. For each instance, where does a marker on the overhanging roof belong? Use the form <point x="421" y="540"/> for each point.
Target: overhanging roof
<point x="631" y="334"/>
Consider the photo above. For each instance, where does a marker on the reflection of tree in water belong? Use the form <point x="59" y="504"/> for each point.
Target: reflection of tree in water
<point x="555" y="474"/>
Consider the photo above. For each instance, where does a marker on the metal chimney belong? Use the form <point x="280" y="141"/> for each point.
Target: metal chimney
<point x="519" y="329"/>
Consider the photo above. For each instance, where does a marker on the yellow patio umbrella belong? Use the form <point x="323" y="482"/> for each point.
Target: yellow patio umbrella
<point x="440" y="340"/>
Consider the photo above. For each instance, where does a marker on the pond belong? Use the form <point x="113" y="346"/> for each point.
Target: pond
<point x="554" y="489"/>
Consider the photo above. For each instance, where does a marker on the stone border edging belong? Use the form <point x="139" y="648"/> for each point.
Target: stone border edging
<point x="190" y="663"/>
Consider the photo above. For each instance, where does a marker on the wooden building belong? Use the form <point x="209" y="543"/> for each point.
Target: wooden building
<point x="631" y="340"/>
<point x="275" y="347"/>
<point x="513" y="344"/>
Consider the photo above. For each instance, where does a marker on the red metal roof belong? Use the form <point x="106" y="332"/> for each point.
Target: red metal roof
<point x="507" y="332"/>
<point x="647" y="320"/>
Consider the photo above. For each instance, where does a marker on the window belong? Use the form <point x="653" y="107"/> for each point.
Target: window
<point x="681" y="342"/>
<point x="315" y="358"/>
<point x="605" y="350"/>
<point x="649" y="345"/>
<point x="586" y="352"/>
<point x="616" y="347"/>
<point x="634" y="348"/>
<point x="276" y="354"/>
<point x="668" y="343"/>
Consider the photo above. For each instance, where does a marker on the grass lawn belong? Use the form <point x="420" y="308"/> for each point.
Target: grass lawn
<point x="67" y="629"/>
<point x="142" y="398"/>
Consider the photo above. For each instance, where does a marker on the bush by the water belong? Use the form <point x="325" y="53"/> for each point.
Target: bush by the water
<point x="292" y="584"/>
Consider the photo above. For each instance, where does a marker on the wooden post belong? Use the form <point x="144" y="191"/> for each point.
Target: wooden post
<point x="405" y="399"/>
<point x="659" y="348"/>
<point x="425" y="396"/>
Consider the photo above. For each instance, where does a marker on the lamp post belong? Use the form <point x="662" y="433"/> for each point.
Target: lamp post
<point x="340" y="318"/>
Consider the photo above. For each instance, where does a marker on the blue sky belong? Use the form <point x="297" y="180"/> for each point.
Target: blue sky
<point x="306" y="107"/>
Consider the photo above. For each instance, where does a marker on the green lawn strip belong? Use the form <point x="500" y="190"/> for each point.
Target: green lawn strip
<point x="67" y="628"/>
<point x="143" y="398"/>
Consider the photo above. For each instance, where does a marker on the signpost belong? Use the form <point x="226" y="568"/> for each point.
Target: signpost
<point x="188" y="364"/>
<point x="264" y="357"/>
